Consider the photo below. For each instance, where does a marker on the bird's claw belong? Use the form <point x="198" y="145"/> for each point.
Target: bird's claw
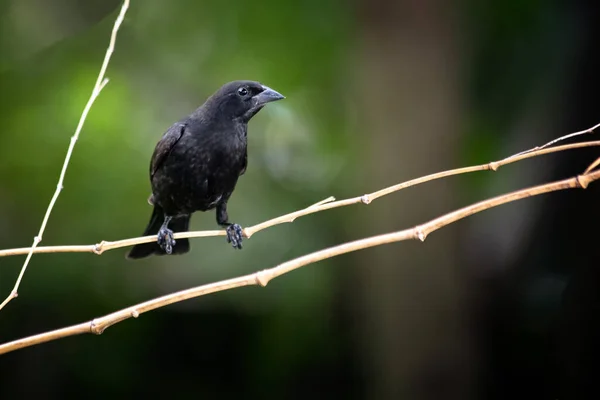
<point x="166" y="240"/>
<point x="234" y="235"/>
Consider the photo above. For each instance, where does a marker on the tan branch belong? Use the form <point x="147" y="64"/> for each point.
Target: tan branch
<point x="262" y="278"/>
<point x="326" y="204"/>
<point x="592" y="166"/>
<point x="100" y="83"/>
<point x="560" y="139"/>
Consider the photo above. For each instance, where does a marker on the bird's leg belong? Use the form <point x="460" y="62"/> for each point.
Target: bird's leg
<point x="165" y="236"/>
<point x="234" y="231"/>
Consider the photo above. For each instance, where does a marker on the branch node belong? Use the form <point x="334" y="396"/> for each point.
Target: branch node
<point x="365" y="199"/>
<point x="262" y="279"/>
<point x="135" y="313"/>
<point x="95" y="328"/>
<point x="583" y="181"/>
<point x="420" y="233"/>
<point x="37" y="239"/>
<point x="98" y="247"/>
<point x="494" y="165"/>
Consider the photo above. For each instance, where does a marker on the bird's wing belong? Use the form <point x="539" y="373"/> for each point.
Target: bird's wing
<point x="245" y="163"/>
<point x="165" y="145"/>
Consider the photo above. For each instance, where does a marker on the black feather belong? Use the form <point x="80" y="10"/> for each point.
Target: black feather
<point x="196" y="164"/>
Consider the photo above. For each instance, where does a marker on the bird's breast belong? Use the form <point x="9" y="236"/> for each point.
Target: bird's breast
<point x="197" y="176"/>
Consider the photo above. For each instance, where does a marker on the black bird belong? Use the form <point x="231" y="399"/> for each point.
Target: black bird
<point x="196" y="165"/>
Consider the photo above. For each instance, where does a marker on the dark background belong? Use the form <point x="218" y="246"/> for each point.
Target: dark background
<point x="504" y="304"/>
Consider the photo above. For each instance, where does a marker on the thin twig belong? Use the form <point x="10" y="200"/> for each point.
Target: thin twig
<point x="560" y="139"/>
<point x="262" y="278"/>
<point x="323" y="205"/>
<point x="100" y="83"/>
<point x="592" y="166"/>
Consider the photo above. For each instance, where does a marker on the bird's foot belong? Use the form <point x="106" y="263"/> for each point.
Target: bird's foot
<point x="166" y="240"/>
<point x="234" y="235"/>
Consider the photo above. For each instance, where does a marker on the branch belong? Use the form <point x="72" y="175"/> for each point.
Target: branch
<point x="100" y="83"/>
<point x="262" y="278"/>
<point x="560" y="139"/>
<point x="592" y="166"/>
<point x="323" y="205"/>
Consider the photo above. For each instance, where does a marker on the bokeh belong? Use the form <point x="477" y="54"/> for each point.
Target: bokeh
<point x="501" y="305"/>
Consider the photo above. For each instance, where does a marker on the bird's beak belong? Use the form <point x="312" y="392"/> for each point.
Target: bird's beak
<point x="267" y="95"/>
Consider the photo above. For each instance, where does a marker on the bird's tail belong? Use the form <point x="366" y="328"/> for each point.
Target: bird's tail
<point x="179" y="224"/>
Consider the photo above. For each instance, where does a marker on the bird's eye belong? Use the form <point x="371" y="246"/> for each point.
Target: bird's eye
<point x="242" y="91"/>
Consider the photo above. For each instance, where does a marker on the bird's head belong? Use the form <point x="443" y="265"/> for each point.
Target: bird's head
<point x="241" y="100"/>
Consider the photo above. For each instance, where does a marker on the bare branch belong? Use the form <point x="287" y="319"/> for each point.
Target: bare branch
<point x="592" y="166"/>
<point x="323" y="205"/>
<point x="262" y="278"/>
<point x="560" y="139"/>
<point x="100" y="83"/>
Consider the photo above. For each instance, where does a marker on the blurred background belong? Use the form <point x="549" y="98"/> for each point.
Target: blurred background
<point x="502" y="304"/>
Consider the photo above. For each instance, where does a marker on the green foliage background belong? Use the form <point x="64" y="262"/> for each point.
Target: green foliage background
<point x="299" y="332"/>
